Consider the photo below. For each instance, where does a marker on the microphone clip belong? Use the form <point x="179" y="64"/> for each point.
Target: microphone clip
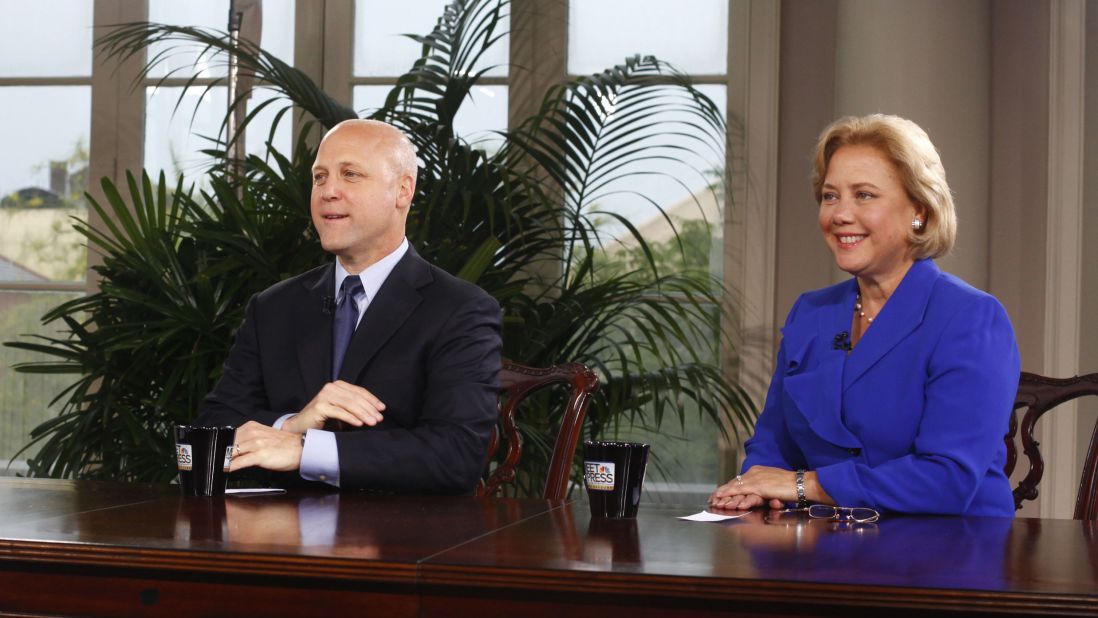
<point x="842" y="342"/>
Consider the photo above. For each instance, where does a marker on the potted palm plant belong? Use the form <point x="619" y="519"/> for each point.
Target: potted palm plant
<point x="522" y="222"/>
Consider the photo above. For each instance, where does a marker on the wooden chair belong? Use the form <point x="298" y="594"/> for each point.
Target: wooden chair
<point x="518" y="381"/>
<point x="1038" y="394"/>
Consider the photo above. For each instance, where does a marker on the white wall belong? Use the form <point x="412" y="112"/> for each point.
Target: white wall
<point x="1088" y="352"/>
<point x="928" y="61"/>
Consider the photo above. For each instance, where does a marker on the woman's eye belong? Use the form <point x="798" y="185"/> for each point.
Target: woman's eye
<point x="319" y="178"/>
<point x="829" y="197"/>
<point x="864" y="195"/>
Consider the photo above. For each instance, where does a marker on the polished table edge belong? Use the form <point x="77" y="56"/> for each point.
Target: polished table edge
<point x="459" y="579"/>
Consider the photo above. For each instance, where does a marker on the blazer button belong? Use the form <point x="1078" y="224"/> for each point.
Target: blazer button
<point x="854" y="451"/>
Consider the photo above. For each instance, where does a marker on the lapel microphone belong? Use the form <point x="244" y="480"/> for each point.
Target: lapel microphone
<point x="329" y="304"/>
<point x="842" y="342"/>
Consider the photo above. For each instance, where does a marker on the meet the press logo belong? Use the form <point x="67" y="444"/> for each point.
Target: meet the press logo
<point x="599" y="475"/>
<point x="183" y="456"/>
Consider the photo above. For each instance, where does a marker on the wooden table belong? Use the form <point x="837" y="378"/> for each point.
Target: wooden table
<point x="115" y="549"/>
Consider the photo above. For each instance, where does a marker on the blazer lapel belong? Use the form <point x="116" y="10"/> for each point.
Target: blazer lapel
<point x="817" y="391"/>
<point x="314" y="338"/>
<point x="395" y="301"/>
<point x="901" y="314"/>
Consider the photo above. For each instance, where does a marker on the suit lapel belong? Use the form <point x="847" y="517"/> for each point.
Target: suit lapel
<point x="314" y="338"/>
<point x="395" y="301"/>
<point x="902" y="314"/>
<point x="817" y="391"/>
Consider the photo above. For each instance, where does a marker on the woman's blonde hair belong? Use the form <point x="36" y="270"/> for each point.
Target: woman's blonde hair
<point x="908" y="147"/>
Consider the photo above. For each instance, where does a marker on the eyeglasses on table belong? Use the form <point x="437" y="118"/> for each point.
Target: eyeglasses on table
<point x="844" y="514"/>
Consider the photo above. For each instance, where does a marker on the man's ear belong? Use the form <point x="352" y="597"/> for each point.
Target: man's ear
<point x="406" y="191"/>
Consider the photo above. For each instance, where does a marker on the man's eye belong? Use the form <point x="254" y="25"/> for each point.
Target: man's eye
<point x="319" y="178"/>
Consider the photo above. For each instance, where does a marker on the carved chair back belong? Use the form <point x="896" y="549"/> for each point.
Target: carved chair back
<point x="516" y="383"/>
<point x="1038" y="394"/>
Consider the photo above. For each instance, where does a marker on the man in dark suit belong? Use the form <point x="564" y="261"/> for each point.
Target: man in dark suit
<point x="416" y="389"/>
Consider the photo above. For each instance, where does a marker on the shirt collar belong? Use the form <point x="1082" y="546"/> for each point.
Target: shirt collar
<point x="374" y="275"/>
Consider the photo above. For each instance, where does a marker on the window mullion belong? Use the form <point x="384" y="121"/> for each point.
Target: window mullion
<point x="118" y="114"/>
<point x="538" y="55"/>
<point x="338" y="48"/>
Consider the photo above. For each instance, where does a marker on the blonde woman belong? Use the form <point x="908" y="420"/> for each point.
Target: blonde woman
<point x="893" y="389"/>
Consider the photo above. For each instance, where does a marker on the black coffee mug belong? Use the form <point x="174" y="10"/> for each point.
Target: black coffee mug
<point x="203" y="455"/>
<point x="612" y="473"/>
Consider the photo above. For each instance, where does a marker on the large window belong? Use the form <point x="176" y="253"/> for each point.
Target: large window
<point x="46" y="98"/>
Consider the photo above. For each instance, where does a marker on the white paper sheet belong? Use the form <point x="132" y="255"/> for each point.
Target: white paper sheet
<point x="707" y="516"/>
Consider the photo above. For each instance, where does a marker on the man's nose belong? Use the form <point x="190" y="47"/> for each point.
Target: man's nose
<point x="328" y="191"/>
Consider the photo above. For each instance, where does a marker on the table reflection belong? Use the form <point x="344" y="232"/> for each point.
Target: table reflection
<point x="309" y="521"/>
<point x="340" y="524"/>
<point x="795" y="533"/>
<point x="600" y="542"/>
<point x="612" y="542"/>
<point x="958" y="552"/>
<point x="200" y="519"/>
<point x="261" y="520"/>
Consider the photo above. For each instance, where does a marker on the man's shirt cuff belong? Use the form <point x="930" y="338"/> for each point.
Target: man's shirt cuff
<point x="320" y="457"/>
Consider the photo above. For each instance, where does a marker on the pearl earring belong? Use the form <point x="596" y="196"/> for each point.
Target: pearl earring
<point x="916" y="224"/>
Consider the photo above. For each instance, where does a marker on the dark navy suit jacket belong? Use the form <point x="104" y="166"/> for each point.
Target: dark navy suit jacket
<point x="428" y="346"/>
<point x="912" y="420"/>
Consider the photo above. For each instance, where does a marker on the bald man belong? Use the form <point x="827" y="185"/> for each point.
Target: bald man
<point x="414" y="393"/>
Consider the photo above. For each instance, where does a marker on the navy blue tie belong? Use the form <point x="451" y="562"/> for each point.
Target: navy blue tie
<point x="346" y="319"/>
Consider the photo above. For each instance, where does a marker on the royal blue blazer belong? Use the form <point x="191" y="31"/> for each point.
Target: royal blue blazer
<point x="912" y="419"/>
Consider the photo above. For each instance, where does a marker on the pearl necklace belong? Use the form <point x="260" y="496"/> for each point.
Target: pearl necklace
<point x="858" y="308"/>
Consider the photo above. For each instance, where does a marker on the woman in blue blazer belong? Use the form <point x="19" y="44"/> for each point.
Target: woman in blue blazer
<point x="892" y="390"/>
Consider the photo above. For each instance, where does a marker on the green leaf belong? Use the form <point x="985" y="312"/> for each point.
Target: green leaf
<point x="480" y="260"/>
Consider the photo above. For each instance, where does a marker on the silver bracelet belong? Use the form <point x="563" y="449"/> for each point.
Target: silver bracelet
<point x="802" y="501"/>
